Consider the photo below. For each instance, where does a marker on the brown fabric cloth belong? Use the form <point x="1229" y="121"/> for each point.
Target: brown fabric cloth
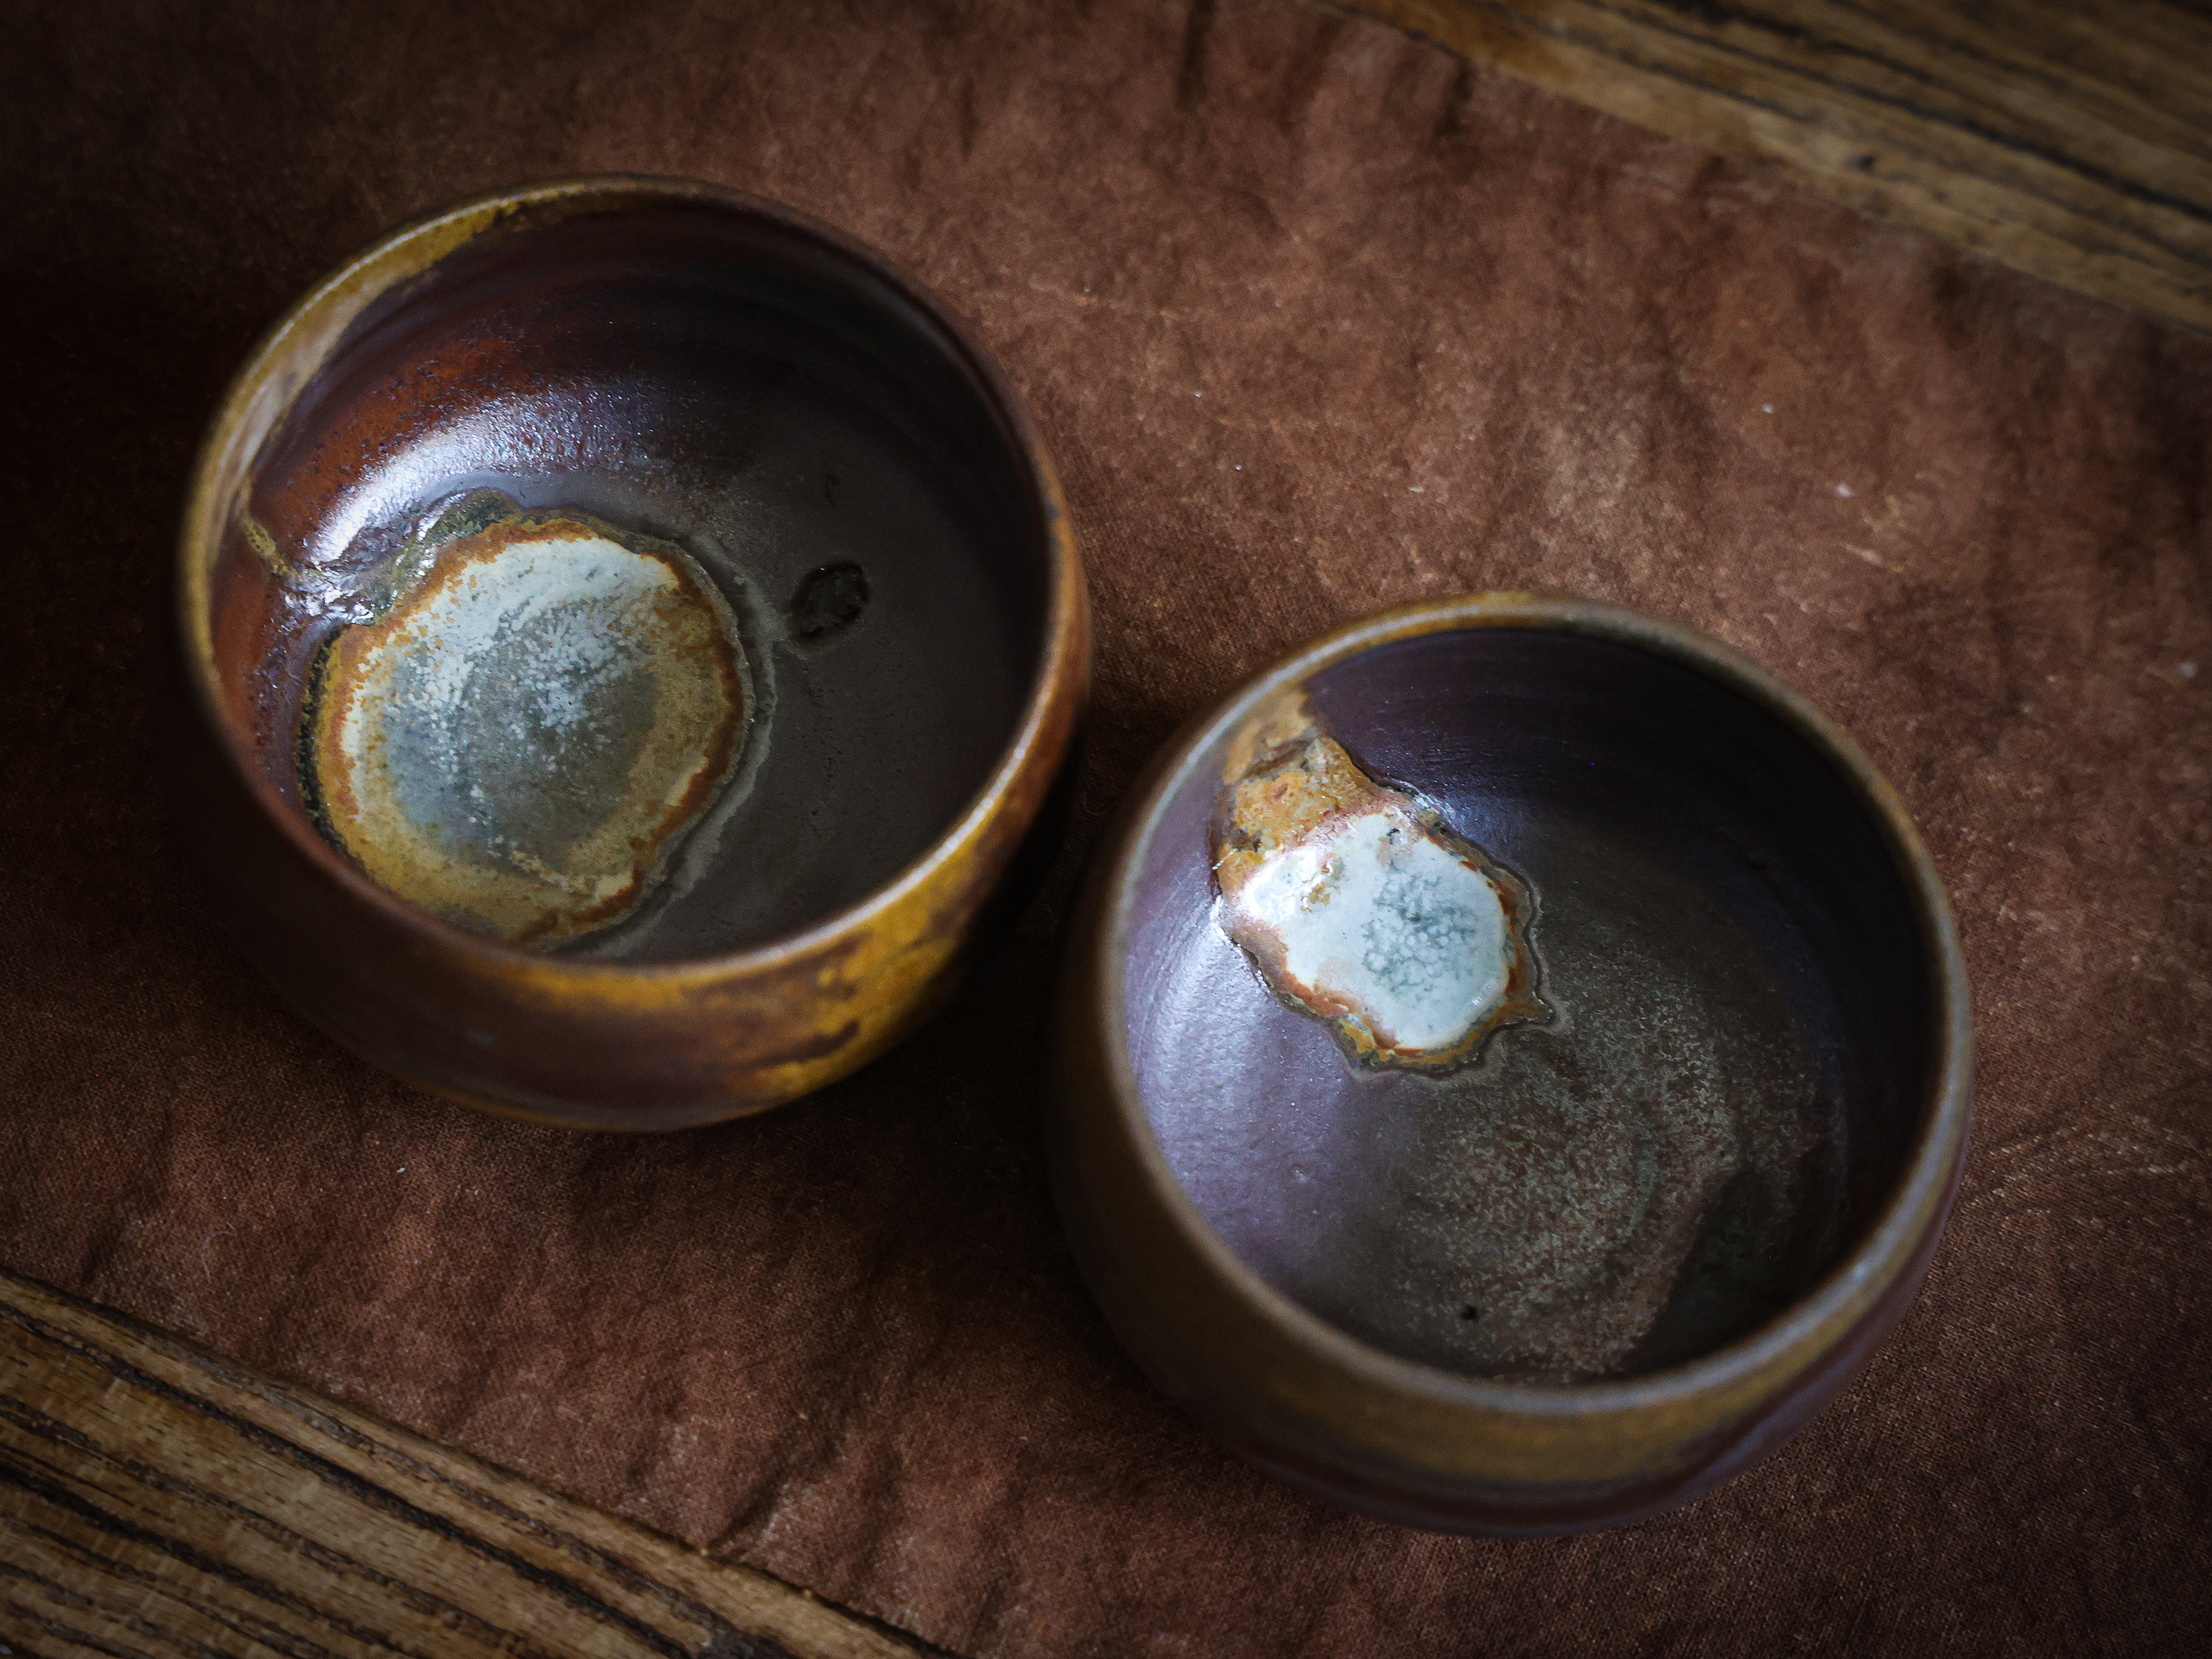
<point x="1315" y="319"/>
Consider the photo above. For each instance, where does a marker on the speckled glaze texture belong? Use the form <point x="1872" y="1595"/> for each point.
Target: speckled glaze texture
<point x="518" y="742"/>
<point x="1625" y="1251"/>
<point x="1359" y="905"/>
<point x="890" y="652"/>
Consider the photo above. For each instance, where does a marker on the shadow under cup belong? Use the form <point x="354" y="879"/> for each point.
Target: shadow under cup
<point x="1617" y="1214"/>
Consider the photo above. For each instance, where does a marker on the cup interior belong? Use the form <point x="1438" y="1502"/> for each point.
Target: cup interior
<point x="817" y="609"/>
<point x="1734" y="1070"/>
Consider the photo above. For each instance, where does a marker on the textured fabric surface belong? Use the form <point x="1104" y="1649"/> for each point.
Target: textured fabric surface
<point x="1315" y="319"/>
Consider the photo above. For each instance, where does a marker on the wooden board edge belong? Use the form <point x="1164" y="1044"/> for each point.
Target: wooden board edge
<point x="1826" y="143"/>
<point x="156" y="1499"/>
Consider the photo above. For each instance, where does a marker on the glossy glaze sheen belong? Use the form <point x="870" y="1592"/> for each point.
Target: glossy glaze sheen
<point x="1437" y="1443"/>
<point x="517" y="742"/>
<point x="830" y="965"/>
<point x="1359" y="907"/>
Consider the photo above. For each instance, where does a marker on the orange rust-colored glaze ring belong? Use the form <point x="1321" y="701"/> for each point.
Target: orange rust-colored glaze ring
<point x="1234" y="1337"/>
<point x="570" y="1039"/>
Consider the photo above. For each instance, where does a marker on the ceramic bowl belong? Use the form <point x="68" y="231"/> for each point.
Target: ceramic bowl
<point x="1566" y="1237"/>
<point x="629" y="631"/>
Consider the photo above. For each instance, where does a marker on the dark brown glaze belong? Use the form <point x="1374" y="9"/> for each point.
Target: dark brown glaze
<point x="1290" y="1245"/>
<point x="687" y="365"/>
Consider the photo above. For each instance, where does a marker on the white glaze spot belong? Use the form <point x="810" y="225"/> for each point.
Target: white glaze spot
<point x="512" y="743"/>
<point x="1376" y="913"/>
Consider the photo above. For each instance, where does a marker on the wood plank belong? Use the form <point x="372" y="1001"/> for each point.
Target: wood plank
<point x="155" y="1501"/>
<point x="2072" y="142"/>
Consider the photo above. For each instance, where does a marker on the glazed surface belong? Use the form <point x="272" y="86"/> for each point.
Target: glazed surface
<point x="1661" y="1166"/>
<point x="547" y="708"/>
<point x="1360" y="906"/>
<point x="670" y="375"/>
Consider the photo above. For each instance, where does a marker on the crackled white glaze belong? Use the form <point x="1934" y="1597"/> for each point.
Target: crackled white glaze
<point x="514" y="743"/>
<point x="1357" y="902"/>
<point x="1376" y="913"/>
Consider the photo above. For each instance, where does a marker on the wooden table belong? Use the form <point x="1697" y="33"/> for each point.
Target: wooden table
<point x="2071" y="140"/>
<point x="156" y="1500"/>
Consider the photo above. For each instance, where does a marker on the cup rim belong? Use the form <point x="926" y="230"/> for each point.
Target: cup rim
<point x="1813" y="1322"/>
<point x="312" y="324"/>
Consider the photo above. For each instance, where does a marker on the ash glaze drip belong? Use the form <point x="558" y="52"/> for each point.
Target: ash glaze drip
<point x="538" y="708"/>
<point x="1360" y="907"/>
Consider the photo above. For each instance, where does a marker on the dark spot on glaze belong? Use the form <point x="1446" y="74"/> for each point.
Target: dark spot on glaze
<point x="829" y="599"/>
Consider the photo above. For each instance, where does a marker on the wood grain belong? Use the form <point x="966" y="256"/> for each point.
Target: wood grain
<point x="2073" y="141"/>
<point x="155" y="1502"/>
